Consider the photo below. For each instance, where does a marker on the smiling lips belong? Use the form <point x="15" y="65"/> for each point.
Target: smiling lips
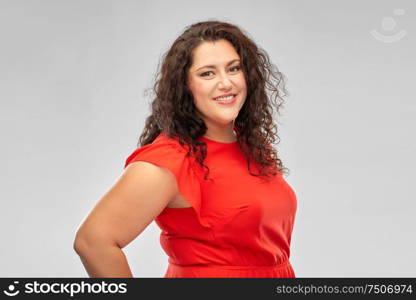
<point x="225" y="97"/>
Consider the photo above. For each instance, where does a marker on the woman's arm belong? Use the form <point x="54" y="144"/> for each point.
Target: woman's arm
<point x="140" y="194"/>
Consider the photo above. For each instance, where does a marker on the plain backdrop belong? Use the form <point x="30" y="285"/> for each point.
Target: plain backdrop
<point x="72" y="78"/>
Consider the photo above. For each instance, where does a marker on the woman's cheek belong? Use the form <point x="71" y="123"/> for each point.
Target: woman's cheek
<point x="203" y="89"/>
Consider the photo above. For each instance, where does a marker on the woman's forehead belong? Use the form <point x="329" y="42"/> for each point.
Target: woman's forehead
<point x="212" y="54"/>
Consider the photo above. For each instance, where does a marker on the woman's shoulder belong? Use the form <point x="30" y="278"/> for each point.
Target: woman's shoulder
<point x="163" y="139"/>
<point x="162" y="148"/>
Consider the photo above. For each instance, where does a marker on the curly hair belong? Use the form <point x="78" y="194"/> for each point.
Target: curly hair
<point x="174" y="112"/>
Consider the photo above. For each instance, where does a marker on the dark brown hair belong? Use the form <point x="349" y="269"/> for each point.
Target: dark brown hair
<point x="174" y="112"/>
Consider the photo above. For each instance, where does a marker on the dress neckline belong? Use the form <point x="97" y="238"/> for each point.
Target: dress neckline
<point x="222" y="143"/>
<point x="216" y="142"/>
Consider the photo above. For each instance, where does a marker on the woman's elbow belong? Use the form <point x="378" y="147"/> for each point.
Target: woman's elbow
<point x="79" y="243"/>
<point x="85" y="241"/>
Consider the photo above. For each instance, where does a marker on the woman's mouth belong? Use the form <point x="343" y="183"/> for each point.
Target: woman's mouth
<point x="226" y="100"/>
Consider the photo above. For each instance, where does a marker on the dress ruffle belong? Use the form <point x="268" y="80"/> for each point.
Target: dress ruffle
<point x="168" y="153"/>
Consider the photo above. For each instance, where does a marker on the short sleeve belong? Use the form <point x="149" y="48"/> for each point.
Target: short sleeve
<point x="168" y="153"/>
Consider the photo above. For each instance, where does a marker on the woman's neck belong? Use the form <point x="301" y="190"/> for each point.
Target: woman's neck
<point x="221" y="134"/>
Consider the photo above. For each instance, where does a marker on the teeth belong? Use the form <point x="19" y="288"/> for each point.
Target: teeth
<point x="224" y="98"/>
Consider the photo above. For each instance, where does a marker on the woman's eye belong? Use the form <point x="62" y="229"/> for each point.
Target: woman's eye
<point x="236" y="68"/>
<point x="205" y="73"/>
<point x="233" y="69"/>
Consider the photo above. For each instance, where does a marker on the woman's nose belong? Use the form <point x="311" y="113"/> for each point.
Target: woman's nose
<point x="224" y="82"/>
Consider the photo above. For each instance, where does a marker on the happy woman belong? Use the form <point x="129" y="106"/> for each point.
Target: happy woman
<point x="204" y="170"/>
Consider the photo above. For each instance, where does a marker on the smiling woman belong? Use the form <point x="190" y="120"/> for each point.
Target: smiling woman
<point x="220" y="92"/>
<point x="204" y="170"/>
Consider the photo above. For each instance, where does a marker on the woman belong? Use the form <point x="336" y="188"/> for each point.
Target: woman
<point x="205" y="170"/>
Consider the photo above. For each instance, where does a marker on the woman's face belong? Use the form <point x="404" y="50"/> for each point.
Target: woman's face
<point x="216" y="72"/>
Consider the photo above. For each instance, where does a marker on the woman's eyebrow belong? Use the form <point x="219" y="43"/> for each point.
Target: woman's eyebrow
<point x="213" y="67"/>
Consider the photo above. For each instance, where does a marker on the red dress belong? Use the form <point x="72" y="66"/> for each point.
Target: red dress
<point x="237" y="226"/>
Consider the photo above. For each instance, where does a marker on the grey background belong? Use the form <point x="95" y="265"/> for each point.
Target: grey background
<point x="72" y="76"/>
